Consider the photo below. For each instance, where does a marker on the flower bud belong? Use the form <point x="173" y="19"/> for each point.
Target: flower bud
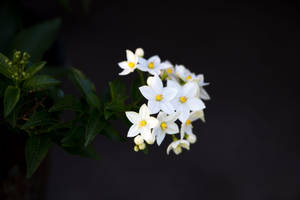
<point x="138" y="140"/>
<point x="142" y="146"/>
<point x="177" y="150"/>
<point x="139" y="52"/>
<point x="136" y="148"/>
<point x="150" y="138"/>
<point x="192" y="138"/>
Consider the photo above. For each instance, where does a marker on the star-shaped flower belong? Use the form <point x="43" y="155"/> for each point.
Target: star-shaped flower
<point x="177" y="146"/>
<point x="153" y="65"/>
<point x="167" y="125"/>
<point x="159" y="97"/>
<point x="129" y="65"/>
<point x="186" y="100"/>
<point x="187" y="127"/>
<point x="203" y="94"/>
<point x="142" y="123"/>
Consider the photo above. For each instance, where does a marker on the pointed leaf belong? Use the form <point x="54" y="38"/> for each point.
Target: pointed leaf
<point x="40" y="82"/>
<point x="4" y="66"/>
<point x="34" y="68"/>
<point x="36" y="149"/>
<point x="66" y="103"/>
<point x="37" y="39"/>
<point x="11" y="98"/>
<point x="39" y="119"/>
<point x="93" y="127"/>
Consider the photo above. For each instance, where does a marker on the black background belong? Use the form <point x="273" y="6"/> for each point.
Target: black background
<point x="248" y="148"/>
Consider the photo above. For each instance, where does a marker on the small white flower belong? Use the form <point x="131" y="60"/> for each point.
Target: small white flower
<point x="150" y="138"/>
<point x="184" y="74"/>
<point x="186" y="100"/>
<point x="192" y="138"/>
<point x="203" y="94"/>
<point x="187" y="126"/>
<point x="142" y="122"/>
<point x="165" y="126"/>
<point x="159" y="97"/>
<point x="129" y="65"/>
<point x="153" y="65"/>
<point x="177" y="146"/>
<point x="139" y="52"/>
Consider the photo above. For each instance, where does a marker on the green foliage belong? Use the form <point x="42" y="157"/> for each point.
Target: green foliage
<point x="36" y="149"/>
<point x="11" y="98"/>
<point x="40" y="82"/>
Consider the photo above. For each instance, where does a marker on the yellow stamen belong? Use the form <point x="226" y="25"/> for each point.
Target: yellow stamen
<point x="188" y="77"/>
<point x="183" y="99"/>
<point x="170" y="70"/>
<point x="163" y="126"/>
<point x="188" y="122"/>
<point x="151" y="65"/>
<point x="159" y="97"/>
<point x="131" y="64"/>
<point x="143" y="123"/>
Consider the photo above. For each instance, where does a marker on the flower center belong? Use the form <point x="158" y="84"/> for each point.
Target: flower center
<point x="151" y="65"/>
<point x="188" y="77"/>
<point x="170" y="70"/>
<point x="188" y="122"/>
<point x="143" y="123"/>
<point x="183" y="99"/>
<point x="159" y="97"/>
<point x="163" y="126"/>
<point x="131" y="64"/>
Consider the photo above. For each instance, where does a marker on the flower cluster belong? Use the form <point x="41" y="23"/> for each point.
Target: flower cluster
<point x="174" y="94"/>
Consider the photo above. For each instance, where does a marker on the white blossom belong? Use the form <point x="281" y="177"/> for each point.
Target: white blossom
<point x="142" y="122"/>
<point x="159" y="97"/>
<point x="177" y="146"/>
<point x="129" y="65"/>
<point x="187" y="127"/>
<point x="203" y="94"/>
<point x="153" y="65"/>
<point x="186" y="100"/>
<point x="165" y="126"/>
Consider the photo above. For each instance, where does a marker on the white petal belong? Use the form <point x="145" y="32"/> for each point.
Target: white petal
<point x="131" y="56"/>
<point x="142" y="67"/>
<point x="161" y="116"/>
<point x="145" y="132"/>
<point x="199" y="114"/>
<point x="185" y="144"/>
<point x="133" y="131"/>
<point x="133" y="117"/>
<point x="167" y="107"/>
<point x="195" y="104"/>
<point x="172" y="128"/>
<point x="142" y="62"/>
<point x="203" y="94"/>
<point x="184" y="113"/>
<point x="144" y="112"/>
<point x="125" y="72"/>
<point x="147" y="92"/>
<point x="154" y="59"/>
<point x="154" y="106"/>
<point x="172" y="117"/>
<point x="189" y="130"/>
<point x="157" y="84"/>
<point x="160" y="137"/>
<point x="190" y="89"/>
<point x="169" y="93"/>
<point x="170" y="147"/>
<point x="152" y="122"/>
<point x="123" y="65"/>
<point x="174" y="84"/>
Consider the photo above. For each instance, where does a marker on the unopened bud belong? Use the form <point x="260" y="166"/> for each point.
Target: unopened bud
<point x="150" y="138"/>
<point x="192" y="138"/>
<point x="136" y="148"/>
<point x="177" y="150"/>
<point x="138" y="140"/>
<point x="142" y="146"/>
<point x="139" y="52"/>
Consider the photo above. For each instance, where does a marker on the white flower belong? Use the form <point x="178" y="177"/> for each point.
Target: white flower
<point x="129" y="65"/>
<point x="176" y="146"/>
<point x="184" y="74"/>
<point x="203" y="94"/>
<point x="150" y="138"/>
<point x="159" y="97"/>
<point x="191" y="138"/>
<point x="186" y="100"/>
<point x="167" y="125"/>
<point x="187" y="126"/>
<point x="142" y="122"/>
<point x="153" y="65"/>
<point x="139" y="52"/>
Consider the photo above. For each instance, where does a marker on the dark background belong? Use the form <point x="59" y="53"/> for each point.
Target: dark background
<point x="249" y="147"/>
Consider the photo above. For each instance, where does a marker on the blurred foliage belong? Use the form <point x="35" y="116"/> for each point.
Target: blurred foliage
<point x="34" y="102"/>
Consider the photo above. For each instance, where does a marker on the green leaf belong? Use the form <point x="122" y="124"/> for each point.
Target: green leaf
<point x="110" y="132"/>
<point x="135" y="93"/>
<point x="36" y="149"/>
<point x="86" y="87"/>
<point x="4" y="66"/>
<point x="40" y="82"/>
<point x="34" y="68"/>
<point x="11" y="98"/>
<point x="94" y="126"/>
<point x="39" y="119"/>
<point x="37" y="39"/>
<point x="117" y="90"/>
<point x="67" y="102"/>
